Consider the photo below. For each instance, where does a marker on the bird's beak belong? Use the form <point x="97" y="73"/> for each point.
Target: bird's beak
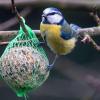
<point x="43" y="18"/>
<point x="43" y="15"/>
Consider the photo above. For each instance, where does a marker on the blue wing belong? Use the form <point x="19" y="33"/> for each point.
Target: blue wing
<point x="66" y="35"/>
<point x="73" y="33"/>
<point x="74" y="28"/>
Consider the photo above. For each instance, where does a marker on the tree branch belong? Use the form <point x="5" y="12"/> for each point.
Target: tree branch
<point x="13" y="21"/>
<point x="87" y="38"/>
<point x="7" y="35"/>
<point x="66" y="3"/>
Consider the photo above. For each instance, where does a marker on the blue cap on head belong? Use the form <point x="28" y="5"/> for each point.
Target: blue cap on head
<point x="51" y="10"/>
<point x="52" y="15"/>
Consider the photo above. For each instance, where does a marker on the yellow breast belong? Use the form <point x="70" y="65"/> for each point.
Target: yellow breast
<point x="57" y="44"/>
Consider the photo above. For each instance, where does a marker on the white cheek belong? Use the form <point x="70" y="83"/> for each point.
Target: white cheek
<point x="54" y="18"/>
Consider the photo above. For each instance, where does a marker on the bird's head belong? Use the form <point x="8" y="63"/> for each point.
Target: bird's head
<point x="52" y="16"/>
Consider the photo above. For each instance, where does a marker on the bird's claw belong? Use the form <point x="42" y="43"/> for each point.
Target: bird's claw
<point x="86" y="39"/>
<point x="50" y="67"/>
<point x="41" y="43"/>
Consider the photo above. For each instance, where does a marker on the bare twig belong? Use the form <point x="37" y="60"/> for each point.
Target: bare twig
<point x="66" y="3"/>
<point x="14" y="9"/>
<point x="92" y="31"/>
<point x="95" y="45"/>
<point x="95" y="15"/>
<point x="13" y="21"/>
<point x="96" y="18"/>
<point x="89" y="38"/>
<point x="8" y="35"/>
<point x="19" y="17"/>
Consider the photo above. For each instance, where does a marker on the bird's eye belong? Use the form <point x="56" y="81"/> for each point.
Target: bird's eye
<point x="53" y="13"/>
<point x="43" y="16"/>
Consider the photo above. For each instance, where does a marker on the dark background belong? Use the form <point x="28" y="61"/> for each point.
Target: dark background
<point x="75" y="76"/>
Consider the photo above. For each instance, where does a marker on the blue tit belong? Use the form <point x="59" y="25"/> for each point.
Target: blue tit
<point x="59" y="35"/>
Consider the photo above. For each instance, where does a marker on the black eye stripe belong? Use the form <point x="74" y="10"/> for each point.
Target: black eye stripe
<point x="53" y="13"/>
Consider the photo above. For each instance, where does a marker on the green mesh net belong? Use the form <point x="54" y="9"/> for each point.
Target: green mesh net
<point x="28" y="39"/>
<point x="23" y="64"/>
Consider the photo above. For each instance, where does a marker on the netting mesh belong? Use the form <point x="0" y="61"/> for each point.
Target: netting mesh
<point x="23" y="64"/>
<point x="28" y="39"/>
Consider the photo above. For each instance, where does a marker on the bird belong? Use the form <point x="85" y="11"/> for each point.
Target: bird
<point x="60" y="36"/>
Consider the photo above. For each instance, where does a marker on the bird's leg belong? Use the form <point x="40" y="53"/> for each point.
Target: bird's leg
<point x="41" y="43"/>
<point x="50" y="66"/>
